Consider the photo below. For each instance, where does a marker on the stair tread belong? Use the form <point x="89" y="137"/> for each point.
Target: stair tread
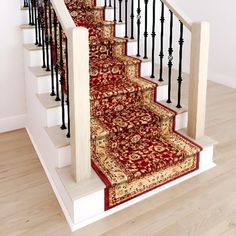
<point x="38" y="71"/>
<point x="32" y="47"/>
<point x="130" y="118"/>
<point x="134" y="155"/>
<point x="81" y="189"/>
<point x="48" y="101"/>
<point x="27" y="26"/>
<point x="58" y="136"/>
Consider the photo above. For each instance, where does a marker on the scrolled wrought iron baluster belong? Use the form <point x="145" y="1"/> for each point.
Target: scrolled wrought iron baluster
<point x="145" y="29"/>
<point x="132" y="20"/>
<point x="170" y="57"/>
<point x="138" y="28"/>
<point x="62" y="78"/>
<point x="67" y="89"/>
<point x="51" y="50"/>
<point x="153" y="38"/>
<point x="126" y="19"/>
<point x="56" y="55"/>
<point x="120" y="10"/>
<point x="161" y="55"/>
<point x="180" y="78"/>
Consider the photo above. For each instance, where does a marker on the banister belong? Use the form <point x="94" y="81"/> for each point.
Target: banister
<point x="63" y="15"/>
<point x="178" y="13"/>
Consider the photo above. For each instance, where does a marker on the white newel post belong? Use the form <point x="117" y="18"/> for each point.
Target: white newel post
<point x="198" y="79"/>
<point x="78" y="51"/>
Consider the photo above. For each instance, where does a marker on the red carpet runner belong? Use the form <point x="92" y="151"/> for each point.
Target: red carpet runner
<point x="134" y="146"/>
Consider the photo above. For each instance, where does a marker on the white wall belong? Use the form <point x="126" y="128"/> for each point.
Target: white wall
<point x="12" y="96"/>
<point x="221" y="14"/>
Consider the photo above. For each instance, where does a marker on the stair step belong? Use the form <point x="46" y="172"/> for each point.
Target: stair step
<point x="58" y="136"/>
<point x="38" y="71"/>
<point x="48" y="101"/>
<point x="51" y="109"/>
<point x="27" y="26"/>
<point x="82" y="189"/>
<point x="32" y="47"/>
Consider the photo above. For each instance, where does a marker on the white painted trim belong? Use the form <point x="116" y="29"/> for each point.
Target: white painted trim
<point x="222" y="79"/>
<point x="12" y="123"/>
<point x="63" y="207"/>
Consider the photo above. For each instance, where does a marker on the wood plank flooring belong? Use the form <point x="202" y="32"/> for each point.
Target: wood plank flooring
<point x="202" y="206"/>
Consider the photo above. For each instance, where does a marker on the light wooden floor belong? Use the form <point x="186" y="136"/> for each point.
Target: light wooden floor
<point x="204" y="205"/>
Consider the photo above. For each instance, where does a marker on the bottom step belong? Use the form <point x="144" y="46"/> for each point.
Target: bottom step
<point x="83" y="203"/>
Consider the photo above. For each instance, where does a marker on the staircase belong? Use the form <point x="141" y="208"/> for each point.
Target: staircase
<point x="94" y="101"/>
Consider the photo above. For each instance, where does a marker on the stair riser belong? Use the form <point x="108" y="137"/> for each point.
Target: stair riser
<point x="33" y="58"/>
<point x="131" y="48"/>
<point x="29" y="35"/>
<point x="162" y="93"/>
<point x="25" y="17"/>
<point x="100" y="3"/>
<point x="109" y="14"/>
<point x="43" y="85"/>
<point x="120" y="30"/>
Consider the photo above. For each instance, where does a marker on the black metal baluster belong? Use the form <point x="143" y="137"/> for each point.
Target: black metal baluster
<point x="110" y="3"/>
<point x="56" y="57"/>
<point x="67" y="90"/>
<point x="170" y="57"/>
<point x="114" y="10"/>
<point x="42" y="17"/>
<point x="105" y="3"/>
<point x="161" y="55"/>
<point x="62" y="79"/>
<point x="120" y="11"/>
<point x="126" y="18"/>
<point x="30" y="11"/>
<point x="153" y="38"/>
<point x="39" y="24"/>
<point x="180" y="79"/>
<point x="138" y="28"/>
<point x="51" y="50"/>
<point x="46" y="34"/>
<point x="132" y="19"/>
<point x="145" y="30"/>
<point x="26" y="4"/>
<point x="36" y="22"/>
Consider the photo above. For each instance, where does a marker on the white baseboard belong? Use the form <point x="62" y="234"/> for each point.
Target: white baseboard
<point x="12" y="123"/>
<point x="222" y="79"/>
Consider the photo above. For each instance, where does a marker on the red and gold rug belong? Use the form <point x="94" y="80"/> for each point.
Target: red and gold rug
<point x="134" y="146"/>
